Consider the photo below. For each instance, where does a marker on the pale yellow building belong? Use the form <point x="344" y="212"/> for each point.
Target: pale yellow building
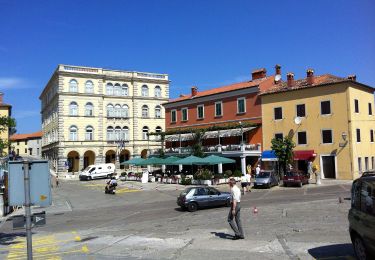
<point x="94" y="115"/>
<point x="5" y="110"/>
<point x="27" y="145"/>
<point x="331" y="120"/>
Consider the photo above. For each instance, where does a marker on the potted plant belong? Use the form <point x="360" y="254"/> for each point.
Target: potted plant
<point x="237" y="175"/>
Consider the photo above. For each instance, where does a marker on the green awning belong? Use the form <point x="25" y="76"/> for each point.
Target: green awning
<point x="134" y="161"/>
<point x="170" y="160"/>
<point x="151" y="161"/>
<point x="190" y="160"/>
<point x="214" y="159"/>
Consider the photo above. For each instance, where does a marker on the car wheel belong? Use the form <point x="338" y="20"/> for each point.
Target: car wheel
<point x="359" y="248"/>
<point x="192" y="206"/>
<point x="300" y="184"/>
<point x="89" y="178"/>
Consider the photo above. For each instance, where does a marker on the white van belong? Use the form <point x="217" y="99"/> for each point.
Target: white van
<point x="97" y="171"/>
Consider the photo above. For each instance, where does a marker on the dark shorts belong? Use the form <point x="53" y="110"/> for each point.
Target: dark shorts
<point x="244" y="184"/>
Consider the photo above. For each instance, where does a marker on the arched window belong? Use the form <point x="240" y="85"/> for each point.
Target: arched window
<point x="117" y="90"/>
<point x="144" y="91"/>
<point x="110" y="110"/>
<point x="109" y="89"/>
<point x="73" y="85"/>
<point x="118" y="133"/>
<point x="145" y="133"/>
<point x="73" y="109"/>
<point x="89" y="109"/>
<point x="73" y="133"/>
<point x="125" y="133"/>
<point x="117" y="110"/>
<point x="158" y="129"/>
<point x="109" y="133"/>
<point x="89" y="135"/>
<point x="125" y="90"/>
<point x="157" y="112"/>
<point x="157" y="91"/>
<point x="125" y="111"/>
<point x="89" y="87"/>
<point x="144" y="111"/>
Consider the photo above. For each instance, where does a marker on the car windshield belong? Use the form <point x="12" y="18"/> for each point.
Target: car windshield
<point x="186" y="191"/>
<point x="264" y="175"/>
<point x="86" y="169"/>
<point x="291" y="174"/>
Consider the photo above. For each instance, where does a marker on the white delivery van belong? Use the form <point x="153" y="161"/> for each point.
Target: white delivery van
<point x="97" y="171"/>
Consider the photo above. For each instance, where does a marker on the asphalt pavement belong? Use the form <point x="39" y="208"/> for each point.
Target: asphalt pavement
<point x="143" y="221"/>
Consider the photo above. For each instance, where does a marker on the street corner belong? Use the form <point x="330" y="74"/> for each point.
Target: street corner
<point x="45" y="246"/>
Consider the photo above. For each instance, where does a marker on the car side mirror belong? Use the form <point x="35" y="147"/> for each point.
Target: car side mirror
<point x="219" y="193"/>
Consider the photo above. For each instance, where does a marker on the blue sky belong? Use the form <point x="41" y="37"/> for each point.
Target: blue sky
<point x="205" y="43"/>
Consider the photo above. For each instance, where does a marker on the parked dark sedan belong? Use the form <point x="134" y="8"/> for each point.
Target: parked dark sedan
<point x="193" y="198"/>
<point x="296" y="178"/>
<point x="362" y="216"/>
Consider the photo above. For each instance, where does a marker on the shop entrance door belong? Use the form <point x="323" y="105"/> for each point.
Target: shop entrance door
<point x="328" y="166"/>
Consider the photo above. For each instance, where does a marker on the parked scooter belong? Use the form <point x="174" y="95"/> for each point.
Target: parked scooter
<point x="110" y="188"/>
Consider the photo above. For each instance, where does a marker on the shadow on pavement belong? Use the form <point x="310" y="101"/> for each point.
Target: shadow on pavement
<point x="334" y="252"/>
<point x="8" y="239"/>
<point x="222" y="235"/>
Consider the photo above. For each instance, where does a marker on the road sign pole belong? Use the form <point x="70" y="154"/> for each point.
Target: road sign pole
<point x="28" y="210"/>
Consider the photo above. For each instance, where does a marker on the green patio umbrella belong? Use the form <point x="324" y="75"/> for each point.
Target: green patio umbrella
<point x="151" y="161"/>
<point x="134" y="161"/>
<point x="214" y="159"/>
<point x="190" y="160"/>
<point x="170" y="160"/>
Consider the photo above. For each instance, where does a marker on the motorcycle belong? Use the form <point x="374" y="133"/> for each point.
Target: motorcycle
<point x="110" y="188"/>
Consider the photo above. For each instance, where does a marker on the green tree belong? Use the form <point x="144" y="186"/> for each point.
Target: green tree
<point x="197" y="143"/>
<point x="6" y="123"/>
<point x="284" y="150"/>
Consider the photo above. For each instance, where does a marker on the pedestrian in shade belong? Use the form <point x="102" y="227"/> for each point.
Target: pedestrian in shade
<point x="234" y="216"/>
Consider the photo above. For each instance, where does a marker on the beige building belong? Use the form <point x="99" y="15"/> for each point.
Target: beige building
<point x="95" y="115"/>
<point x="27" y="145"/>
<point x="331" y="120"/>
<point x="5" y="110"/>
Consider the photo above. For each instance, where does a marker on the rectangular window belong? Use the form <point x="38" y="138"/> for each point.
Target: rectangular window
<point x="37" y="151"/>
<point x="279" y="136"/>
<point x="356" y="106"/>
<point x="371" y="136"/>
<point x="373" y="162"/>
<point x="18" y="142"/>
<point x="302" y="138"/>
<point x="278" y="113"/>
<point x="327" y="136"/>
<point x="184" y="112"/>
<point x="370" y="109"/>
<point x="173" y="115"/>
<point x="325" y="107"/>
<point x="241" y="105"/>
<point x="31" y="151"/>
<point x="25" y="142"/>
<point x="200" y="111"/>
<point x="18" y="151"/>
<point x="366" y="164"/>
<point x="359" y="164"/>
<point x="301" y="110"/>
<point x="358" y="132"/>
<point x="25" y="150"/>
<point x="219" y="108"/>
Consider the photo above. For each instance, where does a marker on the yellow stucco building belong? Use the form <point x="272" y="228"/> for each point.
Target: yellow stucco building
<point x="331" y="120"/>
<point x="27" y="145"/>
<point x="95" y="115"/>
<point x="5" y="110"/>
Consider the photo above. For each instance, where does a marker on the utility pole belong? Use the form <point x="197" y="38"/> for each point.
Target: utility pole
<point x="28" y="210"/>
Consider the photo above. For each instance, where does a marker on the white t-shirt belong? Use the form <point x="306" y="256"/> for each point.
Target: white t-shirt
<point x="248" y="178"/>
<point x="235" y="193"/>
<point x="257" y="170"/>
<point x="243" y="178"/>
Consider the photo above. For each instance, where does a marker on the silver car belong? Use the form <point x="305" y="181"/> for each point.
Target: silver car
<point x="193" y="198"/>
<point x="266" y="179"/>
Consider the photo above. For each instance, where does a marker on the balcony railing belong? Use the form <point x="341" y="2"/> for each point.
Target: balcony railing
<point x="217" y="149"/>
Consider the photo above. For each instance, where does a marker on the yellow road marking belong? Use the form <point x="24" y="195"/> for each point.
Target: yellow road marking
<point x="126" y="190"/>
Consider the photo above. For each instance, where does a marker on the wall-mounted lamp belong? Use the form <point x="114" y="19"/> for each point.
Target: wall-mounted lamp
<point x="344" y="135"/>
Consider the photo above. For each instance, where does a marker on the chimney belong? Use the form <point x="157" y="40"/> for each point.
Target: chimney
<point x="258" y="74"/>
<point x="277" y="69"/>
<point x="194" y="91"/>
<point x="310" y="76"/>
<point x="290" y="79"/>
<point x="352" y="77"/>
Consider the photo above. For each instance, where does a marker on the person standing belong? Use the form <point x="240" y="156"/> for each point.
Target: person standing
<point x="257" y="170"/>
<point x="234" y="216"/>
<point x="244" y="184"/>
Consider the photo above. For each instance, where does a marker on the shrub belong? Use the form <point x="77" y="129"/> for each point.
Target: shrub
<point x="124" y="174"/>
<point x="228" y="173"/>
<point x="237" y="173"/>
<point x="203" y="175"/>
<point x="185" y="181"/>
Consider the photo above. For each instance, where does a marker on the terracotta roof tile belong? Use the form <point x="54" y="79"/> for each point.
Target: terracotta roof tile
<point x="302" y="83"/>
<point x="235" y="86"/>
<point x="16" y="137"/>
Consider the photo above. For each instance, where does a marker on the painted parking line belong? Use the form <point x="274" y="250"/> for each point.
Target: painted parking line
<point x="126" y="190"/>
<point x="48" y="246"/>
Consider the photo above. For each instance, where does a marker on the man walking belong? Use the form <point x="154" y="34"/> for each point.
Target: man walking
<point x="234" y="215"/>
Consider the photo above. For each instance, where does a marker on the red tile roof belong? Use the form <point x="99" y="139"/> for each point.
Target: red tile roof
<point x="302" y="83"/>
<point x="16" y="137"/>
<point x="232" y="87"/>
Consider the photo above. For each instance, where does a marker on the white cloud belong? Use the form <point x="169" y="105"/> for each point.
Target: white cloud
<point x="25" y="113"/>
<point x="13" y="83"/>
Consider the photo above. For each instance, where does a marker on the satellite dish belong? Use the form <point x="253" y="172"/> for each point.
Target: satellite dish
<point x="277" y="78"/>
<point x="297" y="120"/>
